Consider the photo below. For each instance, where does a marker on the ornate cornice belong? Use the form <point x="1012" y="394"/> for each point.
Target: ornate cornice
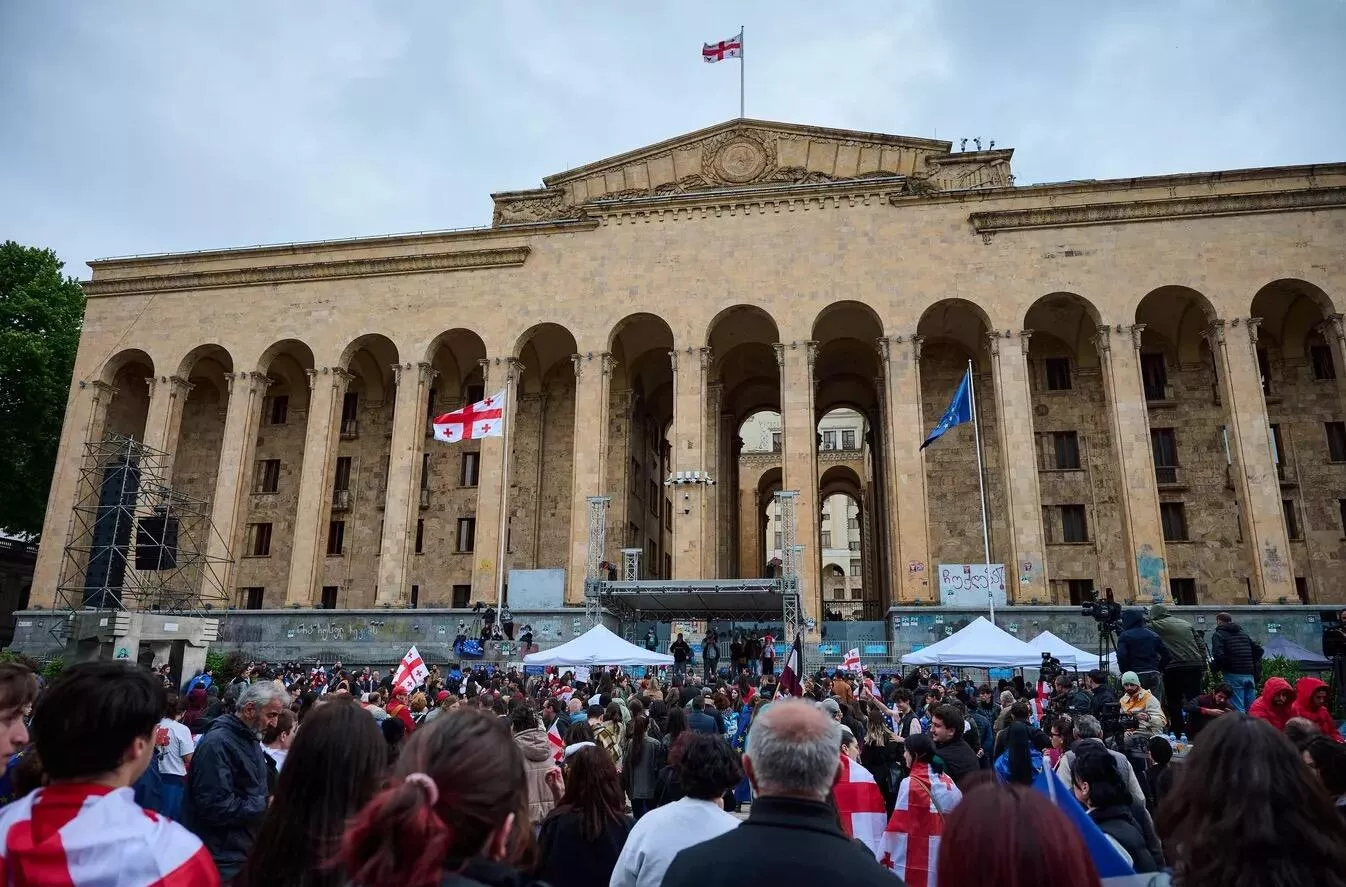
<point x="457" y="260"/>
<point x="1156" y="210"/>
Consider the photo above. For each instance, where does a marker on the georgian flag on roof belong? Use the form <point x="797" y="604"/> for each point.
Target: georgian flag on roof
<point x="485" y="418"/>
<point x="732" y="48"/>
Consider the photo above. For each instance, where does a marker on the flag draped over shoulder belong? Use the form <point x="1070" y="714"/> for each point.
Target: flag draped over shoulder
<point x="485" y="418"/>
<point x="558" y="745"/>
<point x="110" y="840"/>
<point x="411" y="671"/>
<point x="958" y="412"/>
<point x="911" y="840"/>
<point x="860" y="805"/>
<point x="1113" y="869"/>
<point x="789" y="684"/>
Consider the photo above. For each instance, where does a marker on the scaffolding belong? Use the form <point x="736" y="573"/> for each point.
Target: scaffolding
<point x="135" y="542"/>
<point x="598" y="529"/>
<point x="791" y="555"/>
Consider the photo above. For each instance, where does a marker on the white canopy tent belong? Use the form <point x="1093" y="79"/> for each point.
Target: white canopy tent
<point x="980" y="644"/>
<point x="1070" y="656"/>
<point x="597" y="646"/>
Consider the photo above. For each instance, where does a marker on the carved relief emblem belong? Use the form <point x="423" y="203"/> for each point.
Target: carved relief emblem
<point x="741" y="160"/>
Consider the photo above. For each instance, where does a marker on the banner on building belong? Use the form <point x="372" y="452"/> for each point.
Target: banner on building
<point x="967" y="585"/>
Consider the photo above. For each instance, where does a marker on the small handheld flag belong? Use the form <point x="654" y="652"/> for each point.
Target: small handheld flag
<point x="852" y="661"/>
<point x="558" y="745"/>
<point x="411" y="672"/>
<point x="959" y="411"/>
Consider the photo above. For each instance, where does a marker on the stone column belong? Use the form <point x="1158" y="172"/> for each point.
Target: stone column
<point x="799" y="460"/>
<point x="168" y="394"/>
<point x="85" y="418"/>
<point x="749" y="533"/>
<point x="1234" y="344"/>
<point x="905" y="494"/>
<point x="498" y="374"/>
<point x="233" y="480"/>
<point x="401" y="500"/>
<point x="1026" y="566"/>
<point x="689" y="454"/>
<point x="326" y="389"/>
<point x="1129" y="416"/>
<point x="1333" y="331"/>
<point x="726" y="497"/>
<point x="593" y="374"/>
<point x="710" y="525"/>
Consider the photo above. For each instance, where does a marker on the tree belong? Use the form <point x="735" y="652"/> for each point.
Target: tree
<point x="41" y="312"/>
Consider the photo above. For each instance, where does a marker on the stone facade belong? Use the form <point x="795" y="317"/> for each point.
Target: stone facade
<point x="638" y="309"/>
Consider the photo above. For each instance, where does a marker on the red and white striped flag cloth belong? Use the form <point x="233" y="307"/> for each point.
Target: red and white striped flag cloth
<point x="789" y="684"/>
<point x="558" y="745"/>
<point x="723" y="49"/>
<point x="411" y="672"/>
<point x="861" y="805"/>
<point x="109" y="840"/>
<point x="1040" y="700"/>
<point x="911" y="841"/>
<point x="852" y="661"/>
<point x="485" y="418"/>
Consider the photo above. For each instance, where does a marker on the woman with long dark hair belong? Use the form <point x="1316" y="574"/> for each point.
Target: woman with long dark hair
<point x="581" y="839"/>
<point x="454" y="813"/>
<point x="641" y="772"/>
<point x="677" y="725"/>
<point x="335" y="765"/>
<point x="1244" y="812"/>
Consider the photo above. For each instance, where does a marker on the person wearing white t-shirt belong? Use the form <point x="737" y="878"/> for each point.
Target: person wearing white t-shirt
<point x="173" y="746"/>
<point x="276" y="740"/>
<point x="706" y="768"/>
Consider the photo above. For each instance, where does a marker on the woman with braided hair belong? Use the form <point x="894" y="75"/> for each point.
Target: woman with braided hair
<point x="454" y="814"/>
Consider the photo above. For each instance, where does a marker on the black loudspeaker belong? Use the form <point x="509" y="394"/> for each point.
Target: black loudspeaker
<point x="157" y="542"/>
<point x="112" y="530"/>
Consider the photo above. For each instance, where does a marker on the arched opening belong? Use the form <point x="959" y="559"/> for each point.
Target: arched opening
<point x="265" y="537"/>
<point x="640" y="410"/>
<point x="847" y="552"/>
<point x="540" y="480"/>
<point x="196" y="453"/>
<point x="1298" y="352"/>
<point x="1076" y="459"/>
<point x="449" y="474"/>
<point x="1198" y="498"/>
<point x="955" y="332"/>
<point x="758" y="474"/>
<point x="129" y="373"/>
<point x="743" y="381"/>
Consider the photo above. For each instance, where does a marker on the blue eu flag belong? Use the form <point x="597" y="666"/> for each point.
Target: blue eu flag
<point x="959" y="411"/>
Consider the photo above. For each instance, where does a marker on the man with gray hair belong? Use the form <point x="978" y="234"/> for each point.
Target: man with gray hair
<point x="227" y="786"/>
<point x="1088" y="729"/>
<point x="793" y="834"/>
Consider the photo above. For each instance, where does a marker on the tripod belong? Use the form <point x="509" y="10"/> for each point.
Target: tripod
<point x="1107" y="645"/>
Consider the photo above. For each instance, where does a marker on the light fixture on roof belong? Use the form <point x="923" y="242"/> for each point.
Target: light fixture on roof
<point x="686" y="478"/>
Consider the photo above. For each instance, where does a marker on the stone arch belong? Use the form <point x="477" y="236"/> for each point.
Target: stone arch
<point x="1291" y="312"/>
<point x="129" y="372"/>
<point x="1180" y="315"/>
<point x="369" y="358"/>
<point x="456" y="356"/>
<point x="1069" y="319"/>
<point x="544" y="412"/>
<point x="848" y="319"/>
<point x="200" y="437"/>
<point x="740" y="323"/>
<point x="119" y="361"/>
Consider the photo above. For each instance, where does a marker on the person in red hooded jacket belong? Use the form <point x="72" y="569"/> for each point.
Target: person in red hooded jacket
<point x="1276" y="704"/>
<point x="1311" y="703"/>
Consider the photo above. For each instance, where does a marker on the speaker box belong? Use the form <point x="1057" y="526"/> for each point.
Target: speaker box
<point x="157" y="542"/>
<point x="111" y="530"/>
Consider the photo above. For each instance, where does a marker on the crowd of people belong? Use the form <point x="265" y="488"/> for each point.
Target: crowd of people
<point x="335" y="777"/>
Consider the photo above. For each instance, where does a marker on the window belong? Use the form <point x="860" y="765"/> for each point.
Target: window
<point x="1302" y="589"/>
<point x="1183" y="591"/>
<point x="779" y="539"/>
<point x="277" y="409"/>
<point x="267" y="476"/>
<point x="1164" y="444"/>
<point x="1336" y="441"/>
<point x="848" y="439"/>
<point x="1074" y="527"/>
<point x="829" y="440"/>
<point x="654" y="499"/>
<point x="1264" y="368"/>
<point x="1154" y="375"/>
<point x="329" y="597"/>
<point x="827" y="538"/>
<point x="635" y="476"/>
<point x="343" y="474"/>
<point x="1058" y="373"/>
<point x="469" y="470"/>
<point x="1173" y="515"/>
<point x="467" y="533"/>
<point x="1067" y="449"/>
<point x="415" y="596"/>
<point x="668" y="565"/>
<point x="854" y="545"/>
<point x="420" y="536"/>
<point x="252" y="597"/>
<point x="853" y="523"/>
<point x="1291" y="518"/>
<point x="855" y="566"/>
<point x="1323" y="365"/>
<point x="1081" y="590"/>
<point x="1278" y="451"/>
<point x="857" y="594"/>
<point x="651" y="559"/>
<point x="336" y="537"/>
<point x="430" y="397"/>
<point x="475" y="394"/>
<point x="668" y="514"/>
<point x="259" y="540"/>
<point x="462" y="596"/>
<point x="425" y="471"/>
<point x="775" y="441"/>
<point x="350" y="406"/>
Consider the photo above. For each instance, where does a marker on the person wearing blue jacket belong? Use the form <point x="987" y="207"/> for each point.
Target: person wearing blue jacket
<point x="1141" y="650"/>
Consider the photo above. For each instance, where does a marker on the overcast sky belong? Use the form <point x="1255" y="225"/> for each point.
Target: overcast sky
<point x="139" y="127"/>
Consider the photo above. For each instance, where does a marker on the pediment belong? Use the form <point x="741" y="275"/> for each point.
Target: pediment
<point x="746" y="153"/>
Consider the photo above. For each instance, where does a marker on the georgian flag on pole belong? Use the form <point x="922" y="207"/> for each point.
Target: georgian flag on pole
<point x="411" y="672"/>
<point x="852" y="661"/>
<point x="558" y="745"/>
<point x="723" y="49"/>
<point x="485" y="418"/>
<point x="860" y="805"/>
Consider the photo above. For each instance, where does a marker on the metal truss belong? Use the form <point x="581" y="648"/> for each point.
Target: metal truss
<point x="734" y="600"/>
<point x="791" y="556"/>
<point x="125" y="507"/>
<point x="598" y="528"/>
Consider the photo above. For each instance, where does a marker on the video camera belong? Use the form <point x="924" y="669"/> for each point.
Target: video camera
<point x="1107" y="612"/>
<point x="1114" y="722"/>
<point x="1050" y="669"/>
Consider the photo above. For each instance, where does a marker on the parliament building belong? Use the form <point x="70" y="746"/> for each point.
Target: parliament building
<point x="687" y="328"/>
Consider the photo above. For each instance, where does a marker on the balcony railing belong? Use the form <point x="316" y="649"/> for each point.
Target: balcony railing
<point x="425" y="498"/>
<point x="350" y="428"/>
<point x="341" y="500"/>
<point x="1166" y="475"/>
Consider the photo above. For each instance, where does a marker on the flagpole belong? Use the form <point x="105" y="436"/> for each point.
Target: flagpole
<point x="512" y="368"/>
<point x="742" y="56"/>
<point x="981" y="487"/>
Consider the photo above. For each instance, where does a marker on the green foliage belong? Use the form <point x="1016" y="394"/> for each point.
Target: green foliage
<point x="214" y="661"/>
<point x="1280" y="667"/>
<point x="41" y="312"/>
<point x="52" y="668"/>
<point x="231" y="666"/>
<point x="21" y="659"/>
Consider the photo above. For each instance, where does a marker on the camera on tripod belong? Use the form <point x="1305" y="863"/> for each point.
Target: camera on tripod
<point x="1114" y="722"/>
<point x="1107" y="612"/>
<point x="1050" y="669"/>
